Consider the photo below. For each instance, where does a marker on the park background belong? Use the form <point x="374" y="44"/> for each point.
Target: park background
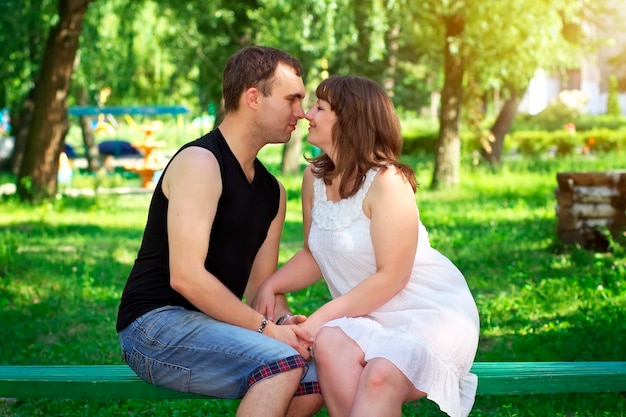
<point x="460" y="74"/>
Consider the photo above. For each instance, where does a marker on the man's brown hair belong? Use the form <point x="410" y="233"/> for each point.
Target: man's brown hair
<point x="253" y="66"/>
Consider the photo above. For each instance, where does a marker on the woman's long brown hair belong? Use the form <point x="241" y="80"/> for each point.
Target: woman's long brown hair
<point x="366" y="134"/>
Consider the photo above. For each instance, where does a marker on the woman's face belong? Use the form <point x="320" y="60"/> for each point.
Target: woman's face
<point x="321" y="121"/>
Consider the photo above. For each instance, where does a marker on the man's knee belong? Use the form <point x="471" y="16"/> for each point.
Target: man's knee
<point x="305" y="405"/>
<point x="271" y="396"/>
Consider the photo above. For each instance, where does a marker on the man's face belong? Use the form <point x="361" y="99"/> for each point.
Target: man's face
<point x="279" y="112"/>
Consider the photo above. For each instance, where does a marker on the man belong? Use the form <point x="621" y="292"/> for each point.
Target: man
<point x="212" y="237"/>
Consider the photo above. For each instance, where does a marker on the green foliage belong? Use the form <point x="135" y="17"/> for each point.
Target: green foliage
<point x="565" y="142"/>
<point x="24" y="26"/>
<point x="418" y="141"/>
<point x="172" y="52"/>
<point x="585" y="122"/>
<point x="613" y="108"/>
<point x="535" y="143"/>
<point x="419" y="134"/>
<point x="530" y="143"/>
<point x="159" y="51"/>
<point x="63" y="265"/>
<point x="554" y="117"/>
<point x="506" y="42"/>
<point x="535" y="135"/>
<point x="589" y="122"/>
<point x="604" y="140"/>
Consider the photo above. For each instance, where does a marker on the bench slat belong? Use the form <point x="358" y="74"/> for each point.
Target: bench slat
<point x="496" y="378"/>
<point x="119" y="381"/>
<point x="80" y="381"/>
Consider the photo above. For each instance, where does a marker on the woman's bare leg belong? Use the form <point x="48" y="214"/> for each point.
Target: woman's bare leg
<point x="339" y="362"/>
<point x="382" y="390"/>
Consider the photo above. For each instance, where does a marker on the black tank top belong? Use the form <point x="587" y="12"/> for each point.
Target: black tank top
<point x="244" y="213"/>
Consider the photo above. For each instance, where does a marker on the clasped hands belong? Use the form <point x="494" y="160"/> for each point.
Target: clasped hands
<point x="296" y="330"/>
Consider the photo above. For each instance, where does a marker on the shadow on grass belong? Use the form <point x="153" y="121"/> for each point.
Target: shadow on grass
<point x="59" y="292"/>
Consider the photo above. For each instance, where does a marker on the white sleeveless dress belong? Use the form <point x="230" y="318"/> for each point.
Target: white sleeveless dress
<point x="429" y="330"/>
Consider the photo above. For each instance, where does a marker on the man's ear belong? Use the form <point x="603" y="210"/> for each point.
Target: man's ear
<point x="251" y="97"/>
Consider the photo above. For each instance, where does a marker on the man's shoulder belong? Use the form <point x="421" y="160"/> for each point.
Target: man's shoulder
<point x="208" y="140"/>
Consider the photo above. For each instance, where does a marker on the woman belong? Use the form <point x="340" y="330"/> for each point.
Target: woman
<point x="402" y="323"/>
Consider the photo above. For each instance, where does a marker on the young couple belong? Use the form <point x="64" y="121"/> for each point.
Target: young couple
<point x="402" y="323"/>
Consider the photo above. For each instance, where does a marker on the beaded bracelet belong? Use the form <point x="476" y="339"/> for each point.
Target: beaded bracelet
<point x="263" y="324"/>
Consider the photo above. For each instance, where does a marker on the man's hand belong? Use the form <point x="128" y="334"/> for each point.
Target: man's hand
<point x="264" y="301"/>
<point x="293" y="335"/>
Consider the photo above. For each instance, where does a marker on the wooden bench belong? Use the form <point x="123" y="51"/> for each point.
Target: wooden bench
<point x="119" y="382"/>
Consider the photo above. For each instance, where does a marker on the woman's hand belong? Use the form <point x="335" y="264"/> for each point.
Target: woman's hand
<point x="293" y="335"/>
<point x="312" y="324"/>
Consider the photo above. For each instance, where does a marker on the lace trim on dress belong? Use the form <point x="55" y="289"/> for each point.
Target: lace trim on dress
<point x="333" y="215"/>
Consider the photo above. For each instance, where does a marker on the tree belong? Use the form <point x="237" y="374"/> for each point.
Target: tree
<point x="162" y="50"/>
<point x="489" y="46"/>
<point x="312" y="38"/>
<point x="198" y="41"/>
<point x="106" y="61"/>
<point x="545" y="35"/>
<point x="24" y="25"/>
<point x="448" y="148"/>
<point x="445" y="22"/>
<point x="37" y="177"/>
<point x="332" y="37"/>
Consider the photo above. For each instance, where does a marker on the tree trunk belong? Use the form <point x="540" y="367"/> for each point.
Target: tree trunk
<point x="22" y="126"/>
<point x="37" y="177"/>
<point x="492" y="151"/>
<point x="91" y="148"/>
<point x="448" y="150"/>
<point x="291" y="155"/>
<point x="392" y="41"/>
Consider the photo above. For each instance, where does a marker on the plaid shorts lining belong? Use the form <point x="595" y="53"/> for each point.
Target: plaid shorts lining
<point x="283" y="365"/>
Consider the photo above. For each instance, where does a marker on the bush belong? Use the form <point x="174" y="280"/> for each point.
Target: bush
<point x="566" y="108"/>
<point x="420" y="144"/>
<point x="419" y="136"/>
<point x="612" y="106"/>
<point x="589" y="122"/>
<point x="530" y="135"/>
<point x="604" y="140"/>
<point x="540" y="121"/>
<point x="562" y="142"/>
<point x="530" y="142"/>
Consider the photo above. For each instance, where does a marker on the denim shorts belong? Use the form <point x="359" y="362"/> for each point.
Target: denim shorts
<point x="191" y="352"/>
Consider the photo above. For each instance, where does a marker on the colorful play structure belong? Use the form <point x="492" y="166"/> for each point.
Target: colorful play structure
<point x="149" y="162"/>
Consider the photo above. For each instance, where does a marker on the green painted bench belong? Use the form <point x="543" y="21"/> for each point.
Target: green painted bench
<point x="119" y="382"/>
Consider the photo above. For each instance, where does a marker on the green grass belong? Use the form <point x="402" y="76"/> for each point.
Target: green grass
<point x="63" y="266"/>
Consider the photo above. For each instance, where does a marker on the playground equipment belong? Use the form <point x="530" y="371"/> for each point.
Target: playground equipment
<point x="151" y="162"/>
